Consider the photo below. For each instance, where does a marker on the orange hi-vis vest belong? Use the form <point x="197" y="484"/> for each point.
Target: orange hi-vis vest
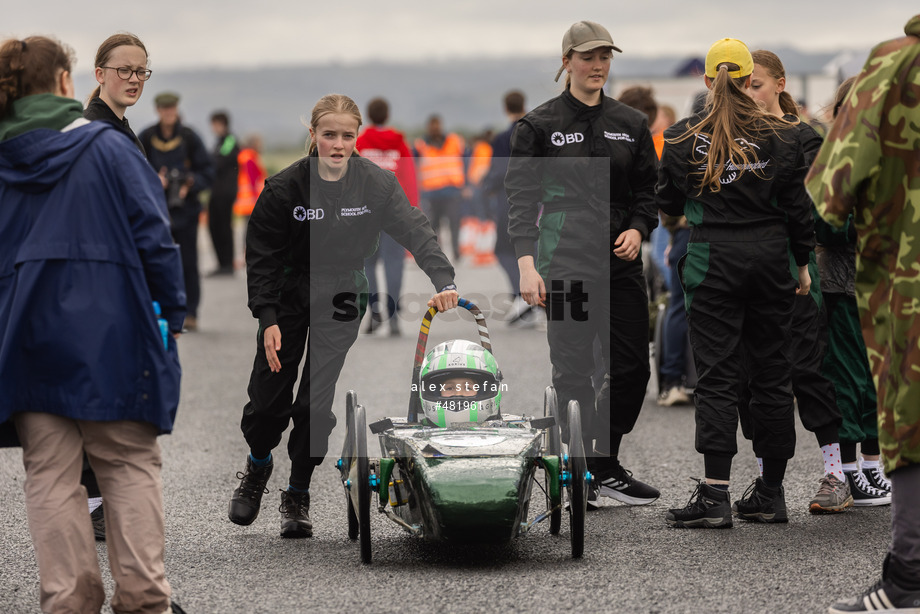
<point x="440" y="167"/>
<point x="250" y="181"/>
<point x="480" y="160"/>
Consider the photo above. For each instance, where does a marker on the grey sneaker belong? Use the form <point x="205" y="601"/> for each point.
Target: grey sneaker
<point x="833" y="496"/>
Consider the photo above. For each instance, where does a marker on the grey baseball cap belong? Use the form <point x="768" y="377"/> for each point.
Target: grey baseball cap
<point x="585" y="36"/>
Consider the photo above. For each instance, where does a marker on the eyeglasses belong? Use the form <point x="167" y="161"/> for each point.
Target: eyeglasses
<point x="125" y="73"/>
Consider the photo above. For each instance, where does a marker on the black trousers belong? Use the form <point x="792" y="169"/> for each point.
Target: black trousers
<point x="309" y="321"/>
<point x="88" y="479"/>
<point x="220" y="223"/>
<point x="185" y="234"/>
<point x="739" y="297"/>
<point x="616" y="313"/>
<point x="813" y="391"/>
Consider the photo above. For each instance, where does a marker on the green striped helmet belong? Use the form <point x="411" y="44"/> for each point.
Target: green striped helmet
<point x="460" y="383"/>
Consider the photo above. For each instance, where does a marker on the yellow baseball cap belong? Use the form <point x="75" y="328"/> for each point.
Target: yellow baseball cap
<point x="729" y="50"/>
<point x="585" y="36"/>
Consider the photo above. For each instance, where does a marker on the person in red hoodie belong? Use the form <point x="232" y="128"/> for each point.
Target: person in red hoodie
<point x="387" y="148"/>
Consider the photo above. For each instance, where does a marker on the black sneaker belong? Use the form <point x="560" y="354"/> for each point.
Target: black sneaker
<point x="98" y="518"/>
<point x="878" y="479"/>
<point x="295" y="514"/>
<point x="708" y="508"/>
<point x="883" y="596"/>
<point x="760" y="503"/>
<point x="247" y="498"/>
<point x="618" y="483"/>
<point x="864" y="493"/>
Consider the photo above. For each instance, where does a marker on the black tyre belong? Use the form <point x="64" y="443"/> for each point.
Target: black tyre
<point x="351" y="401"/>
<point x="553" y="448"/>
<point x="363" y="485"/>
<point x="578" y="487"/>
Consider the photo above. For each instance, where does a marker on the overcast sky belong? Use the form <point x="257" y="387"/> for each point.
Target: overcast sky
<point x="228" y="33"/>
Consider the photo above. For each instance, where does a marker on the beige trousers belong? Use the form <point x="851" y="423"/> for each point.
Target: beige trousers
<point x="126" y="459"/>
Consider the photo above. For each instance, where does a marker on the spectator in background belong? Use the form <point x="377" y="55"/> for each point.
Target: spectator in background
<point x="666" y="118"/>
<point x="477" y="230"/>
<point x="184" y="166"/>
<point x="387" y="148"/>
<point x="223" y="192"/>
<point x="870" y="166"/>
<point x="643" y="99"/>
<point x="84" y="251"/>
<point x="493" y="186"/>
<point x="442" y="178"/>
<point x="675" y="353"/>
<point x="250" y="182"/>
<point x="669" y="244"/>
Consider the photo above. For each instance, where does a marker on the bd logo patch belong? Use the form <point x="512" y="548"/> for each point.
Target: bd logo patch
<point x="301" y="213"/>
<point x="558" y="139"/>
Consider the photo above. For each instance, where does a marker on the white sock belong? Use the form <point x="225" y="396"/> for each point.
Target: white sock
<point x="849" y="467"/>
<point x="832" y="464"/>
<point x="867" y="464"/>
<point x="93" y="503"/>
<point x="760" y="465"/>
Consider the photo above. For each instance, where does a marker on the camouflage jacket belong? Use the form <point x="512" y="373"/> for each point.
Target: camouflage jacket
<point x="870" y="166"/>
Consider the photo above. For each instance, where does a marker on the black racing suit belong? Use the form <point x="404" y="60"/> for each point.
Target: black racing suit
<point x="592" y="168"/>
<point x="305" y="252"/>
<point x="813" y="391"/>
<point x="739" y="293"/>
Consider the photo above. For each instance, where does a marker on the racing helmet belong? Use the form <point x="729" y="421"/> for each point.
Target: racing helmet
<point x="460" y="383"/>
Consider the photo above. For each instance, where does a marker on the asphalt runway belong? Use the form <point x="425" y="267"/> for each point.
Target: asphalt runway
<point x="633" y="561"/>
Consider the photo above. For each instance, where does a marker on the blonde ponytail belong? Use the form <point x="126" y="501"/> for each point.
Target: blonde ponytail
<point x="734" y="118"/>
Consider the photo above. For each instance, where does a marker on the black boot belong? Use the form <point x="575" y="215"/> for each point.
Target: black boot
<point x="247" y="498"/>
<point x="295" y="514"/>
<point x="760" y="503"/>
<point x="708" y="508"/>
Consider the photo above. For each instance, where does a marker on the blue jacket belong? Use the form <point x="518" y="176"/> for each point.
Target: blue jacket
<point x="85" y="248"/>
